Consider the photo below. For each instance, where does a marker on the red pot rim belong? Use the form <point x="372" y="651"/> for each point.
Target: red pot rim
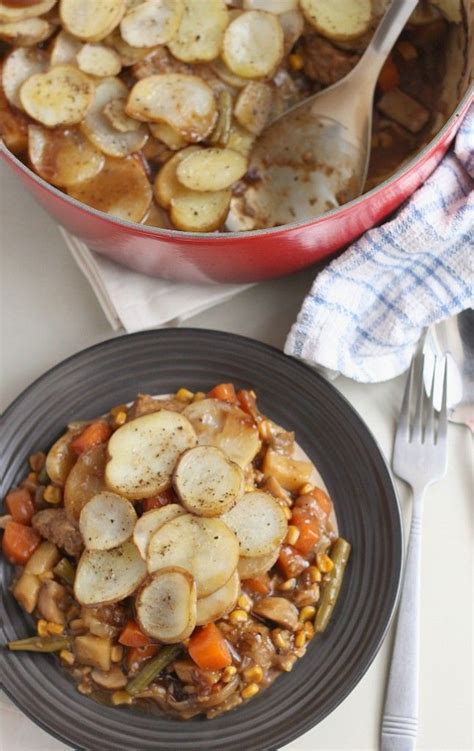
<point x="460" y="111"/>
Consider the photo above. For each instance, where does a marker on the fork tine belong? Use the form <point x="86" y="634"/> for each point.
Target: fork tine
<point x="403" y="429"/>
<point x="416" y="434"/>
<point x="429" y="407"/>
<point x="443" y="414"/>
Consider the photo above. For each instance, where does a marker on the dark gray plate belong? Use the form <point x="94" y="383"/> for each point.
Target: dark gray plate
<point x="337" y="440"/>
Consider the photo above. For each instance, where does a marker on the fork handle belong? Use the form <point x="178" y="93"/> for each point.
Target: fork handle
<point x="400" y="717"/>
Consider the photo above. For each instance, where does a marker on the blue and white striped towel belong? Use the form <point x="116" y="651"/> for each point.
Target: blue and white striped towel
<point x="366" y="311"/>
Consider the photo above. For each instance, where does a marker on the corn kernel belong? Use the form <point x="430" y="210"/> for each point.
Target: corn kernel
<point x="292" y="535"/>
<point x="116" y="653"/>
<point x="324" y="563"/>
<point x="306" y="488"/>
<point x="184" y="395"/>
<point x="288" y="663"/>
<point x="228" y="674"/>
<point x="407" y="50"/>
<point x="307" y="613"/>
<point x="249" y="691"/>
<point x="84" y="688"/>
<point x="265" y="430"/>
<point x="296" y="62"/>
<point x="55" y="629"/>
<point x="42" y="627"/>
<point x="309" y="630"/>
<point x="279" y="640"/>
<point x="199" y="396"/>
<point x="287" y="512"/>
<point x="121" y="697"/>
<point x="249" y="488"/>
<point x="314" y="574"/>
<point x="238" y="616"/>
<point x="120" y="419"/>
<point x="253" y="674"/>
<point x="119" y="408"/>
<point x="245" y="603"/>
<point x="287" y="585"/>
<point x="300" y="639"/>
<point x="52" y="495"/>
<point x="67" y="657"/>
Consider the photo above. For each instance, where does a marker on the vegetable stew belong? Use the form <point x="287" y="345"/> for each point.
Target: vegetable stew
<point x="177" y="552"/>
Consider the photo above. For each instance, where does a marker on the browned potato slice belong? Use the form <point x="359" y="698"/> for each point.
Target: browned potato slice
<point x="114" y="112"/>
<point x="292" y="24"/>
<point x="84" y="481"/>
<point x="211" y="169"/>
<point x="91" y="20"/>
<point x="11" y="13"/>
<point x="13" y="127"/>
<point x="207" y="482"/>
<point x="201" y="31"/>
<point x="108" y="575"/>
<point x="259" y="523"/>
<point x="183" y="101"/>
<point x="249" y="568"/>
<point x="151" y="22"/>
<point x="60" y="97"/>
<point x="98" y="129"/>
<point x="166" y="183"/>
<point x="151" y="521"/>
<point x="143" y="453"/>
<point x="220" y="134"/>
<point x="339" y="20"/>
<point x="166" y="605"/>
<point x="451" y="9"/>
<point x="121" y="188"/>
<point x="231" y="79"/>
<point x="171" y="137"/>
<point x="157" y="217"/>
<point x="107" y="521"/>
<point x="99" y="60"/>
<point x="128" y="54"/>
<point x="207" y="548"/>
<point x="26" y="33"/>
<point x="200" y="212"/>
<point x="271" y="6"/>
<point x="64" y="49"/>
<point x="240" y="140"/>
<point x="253" y="106"/>
<point x="63" y="157"/>
<point x="18" y="66"/>
<point x="253" y="44"/>
<point x="219" y="603"/>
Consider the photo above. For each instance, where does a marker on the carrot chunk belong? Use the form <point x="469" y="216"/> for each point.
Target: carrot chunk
<point x="309" y="530"/>
<point x="95" y="433"/>
<point x="137" y="655"/>
<point x="259" y="584"/>
<point x="19" y="542"/>
<point x="20" y="505"/>
<point x="225" y="392"/>
<point x="208" y="649"/>
<point x="389" y="77"/>
<point x="162" y="499"/>
<point x="133" y="636"/>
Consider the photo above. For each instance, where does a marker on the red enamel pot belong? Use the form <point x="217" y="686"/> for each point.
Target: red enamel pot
<point x="263" y="254"/>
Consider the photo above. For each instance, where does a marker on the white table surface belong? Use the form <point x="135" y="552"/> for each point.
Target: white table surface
<point x="49" y="312"/>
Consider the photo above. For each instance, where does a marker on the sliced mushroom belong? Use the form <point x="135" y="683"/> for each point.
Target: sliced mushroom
<point x="52" y="601"/>
<point x="277" y="609"/>
<point x="111" y="679"/>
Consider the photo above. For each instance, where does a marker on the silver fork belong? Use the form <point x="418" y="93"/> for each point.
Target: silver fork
<point x="419" y="458"/>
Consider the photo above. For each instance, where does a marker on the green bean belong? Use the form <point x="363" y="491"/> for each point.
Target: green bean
<point x="331" y="585"/>
<point x="153" y="668"/>
<point x="41" y="644"/>
<point x="65" y="571"/>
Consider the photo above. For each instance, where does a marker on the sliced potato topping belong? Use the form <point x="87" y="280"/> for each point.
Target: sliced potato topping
<point x="184" y="102"/>
<point x="166" y="183"/>
<point x="231" y="79"/>
<point x="211" y="169"/>
<point x="253" y="44"/>
<point x="144" y="452"/>
<point x="19" y="11"/>
<point x="259" y="523"/>
<point x="271" y="6"/>
<point x="192" y="211"/>
<point x="292" y="24"/>
<point x="207" y="548"/>
<point x="171" y="137"/>
<point x="64" y="49"/>
<point x="114" y="112"/>
<point x="63" y="157"/>
<point x="151" y="521"/>
<point x="121" y="188"/>
<point x="91" y="20"/>
<point x="157" y="217"/>
<point x="201" y="31"/>
<point x="207" y="482"/>
<point x="26" y="33"/>
<point x="94" y="584"/>
<point x="337" y="19"/>
<point x="18" y="66"/>
<point x="166" y="605"/>
<point x="107" y="521"/>
<point x="249" y="568"/>
<point x="13" y="126"/>
<point x="219" y="603"/>
<point x="61" y="96"/>
<point x="98" y="129"/>
<point x="240" y="140"/>
<point x="128" y="54"/>
<point x="99" y="60"/>
<point x="151" y="22"/>
<point x="253" y="106"/>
